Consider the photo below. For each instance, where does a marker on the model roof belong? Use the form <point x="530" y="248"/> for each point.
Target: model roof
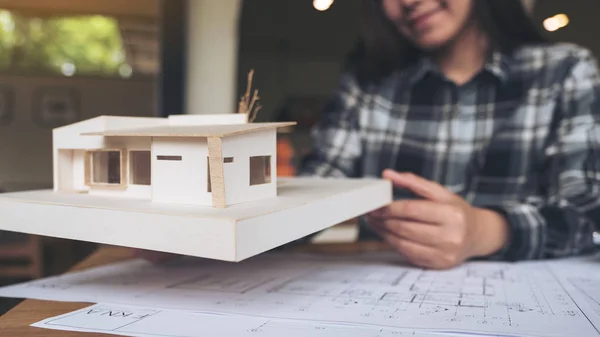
<point x="223" y="130"/>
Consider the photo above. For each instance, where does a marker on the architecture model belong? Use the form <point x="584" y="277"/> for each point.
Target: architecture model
<point x="208" y="160"/>
<point x="197" y="185"/>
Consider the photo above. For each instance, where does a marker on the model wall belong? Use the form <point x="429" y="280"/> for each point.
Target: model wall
<point x="237" y="173"/>
<point x="182" y="175"/>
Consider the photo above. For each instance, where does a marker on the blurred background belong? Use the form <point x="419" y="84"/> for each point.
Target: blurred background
<point x="63" y="61"/>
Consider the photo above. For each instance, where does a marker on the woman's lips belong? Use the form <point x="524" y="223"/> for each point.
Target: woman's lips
<point x="422" y="20"/>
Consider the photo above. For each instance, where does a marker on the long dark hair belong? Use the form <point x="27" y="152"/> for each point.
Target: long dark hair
<point x="382" y="49"/>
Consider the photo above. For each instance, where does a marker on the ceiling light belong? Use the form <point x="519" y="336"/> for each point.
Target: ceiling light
<point x="322" y="5"/>
<point x="556" y="22"/>
<point x="563" y="19"/>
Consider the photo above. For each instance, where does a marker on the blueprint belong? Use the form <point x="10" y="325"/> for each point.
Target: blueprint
<point x="589" y="289"/>
<point x="581" y="278"/>
<point x="478" y="297"/>
<point x="148" y="322"/>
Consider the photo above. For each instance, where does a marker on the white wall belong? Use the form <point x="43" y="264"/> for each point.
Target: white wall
<point x="182" y="181"/>
<point x="237" y="174"/>
<point x="26" y="147"/>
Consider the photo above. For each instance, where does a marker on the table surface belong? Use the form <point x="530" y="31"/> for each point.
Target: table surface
<point x="17" y="321"/>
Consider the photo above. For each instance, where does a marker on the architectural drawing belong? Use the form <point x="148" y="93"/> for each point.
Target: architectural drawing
<point x="141" y="322"/>
<point x="488" y="298"/>
<point x="581" y="279"/>
<point x="221" y="283"/>
<point x="590" y="289"/>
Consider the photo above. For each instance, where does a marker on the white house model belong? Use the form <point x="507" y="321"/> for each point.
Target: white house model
<point x="165" y="184"/>
<point x="207" y="160"/>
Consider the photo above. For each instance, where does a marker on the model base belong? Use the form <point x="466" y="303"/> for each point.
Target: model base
<point x="303" y="206"/>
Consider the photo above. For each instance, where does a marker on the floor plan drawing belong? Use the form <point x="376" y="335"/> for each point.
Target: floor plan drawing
<point x="147" y="322"/>
<point x="482" y="297"/>
<point x="590" y="289"/>
<point x="581" y="278"/>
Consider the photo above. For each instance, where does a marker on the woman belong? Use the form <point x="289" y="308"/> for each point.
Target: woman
<point x="487" y="131"/>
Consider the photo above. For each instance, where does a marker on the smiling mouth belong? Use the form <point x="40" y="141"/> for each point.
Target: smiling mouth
<point x="417" y="21"/>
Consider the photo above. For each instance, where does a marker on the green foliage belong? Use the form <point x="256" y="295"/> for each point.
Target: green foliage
<point x="87" y="45"/>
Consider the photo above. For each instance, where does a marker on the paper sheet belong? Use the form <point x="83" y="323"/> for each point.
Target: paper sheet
<point x="478" y="297"/>
<point x="147" y="322"/>
<point x="581" y="278"/>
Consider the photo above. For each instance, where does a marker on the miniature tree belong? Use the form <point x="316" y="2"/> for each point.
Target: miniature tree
<point x="247" y="105"/>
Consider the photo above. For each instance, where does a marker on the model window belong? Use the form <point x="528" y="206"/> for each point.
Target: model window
<point x="208" y="182"/>
<point x="106" y="167"/>
<point x="260" y="170"/>
<point x="139" y="167"/>
<point x="173" y="158"/>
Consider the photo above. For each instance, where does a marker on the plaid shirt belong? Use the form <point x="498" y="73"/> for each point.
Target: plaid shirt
<point x="521" y="138"/>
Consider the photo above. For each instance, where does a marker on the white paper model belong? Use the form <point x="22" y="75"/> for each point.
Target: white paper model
<point x="171" y="180"/>
<point x="211" y="160"/>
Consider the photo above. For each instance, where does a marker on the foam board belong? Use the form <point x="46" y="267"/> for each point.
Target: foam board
<point x="302" y="206"/>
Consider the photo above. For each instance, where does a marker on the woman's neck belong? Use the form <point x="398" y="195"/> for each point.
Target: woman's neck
<point x="461" y="59"/>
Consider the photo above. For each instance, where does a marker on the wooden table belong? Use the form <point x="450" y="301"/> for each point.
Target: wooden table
<point x="17" y="321"/>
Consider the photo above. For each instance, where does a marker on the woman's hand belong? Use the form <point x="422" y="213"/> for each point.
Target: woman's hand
<point x="442" y="230"/>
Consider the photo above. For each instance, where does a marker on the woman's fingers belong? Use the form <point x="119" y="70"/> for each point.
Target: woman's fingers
<point x="415" y="253"/>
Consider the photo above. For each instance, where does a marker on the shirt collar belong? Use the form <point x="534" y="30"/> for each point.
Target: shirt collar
<point x="498" y="64"/>
<point x="420" y="69"/>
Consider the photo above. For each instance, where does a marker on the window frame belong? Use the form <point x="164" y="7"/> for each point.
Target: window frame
<point x="130" y="163"/>
<point x="89" y="169"/>
<point x="266" y="170"/>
